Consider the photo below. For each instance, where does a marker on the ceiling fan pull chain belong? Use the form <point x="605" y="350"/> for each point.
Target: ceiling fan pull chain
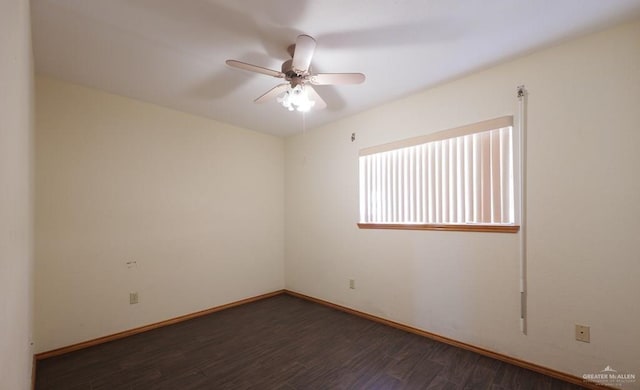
<point x="304" y="123"/>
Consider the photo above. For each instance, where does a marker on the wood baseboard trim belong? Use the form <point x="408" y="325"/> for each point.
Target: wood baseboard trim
<point x="469" y="347"/>
<point x="145" y="328"/>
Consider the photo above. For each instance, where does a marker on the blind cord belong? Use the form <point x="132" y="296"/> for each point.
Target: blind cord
<point x="522" y="101"/>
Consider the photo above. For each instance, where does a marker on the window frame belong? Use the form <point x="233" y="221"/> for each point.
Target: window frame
<point x="479" y="127"/>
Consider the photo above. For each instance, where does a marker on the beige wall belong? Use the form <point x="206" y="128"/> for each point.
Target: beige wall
<point x="16" y="117"/>
<point x="198" y="206"/>
<point x="584" y="215"/>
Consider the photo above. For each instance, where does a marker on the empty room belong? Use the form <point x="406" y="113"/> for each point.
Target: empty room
<point x="387" y="194"/>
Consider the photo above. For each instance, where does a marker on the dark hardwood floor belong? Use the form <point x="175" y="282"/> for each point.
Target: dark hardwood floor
<point x="281" y="342"/>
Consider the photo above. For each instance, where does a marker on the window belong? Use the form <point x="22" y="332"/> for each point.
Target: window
<point x="458" y="179"/>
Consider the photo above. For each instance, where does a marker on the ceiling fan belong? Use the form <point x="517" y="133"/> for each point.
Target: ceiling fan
<point x="298" y="93"/>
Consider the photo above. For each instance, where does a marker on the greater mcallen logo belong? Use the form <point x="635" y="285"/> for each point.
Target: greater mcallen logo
<point x="609" y="376"/>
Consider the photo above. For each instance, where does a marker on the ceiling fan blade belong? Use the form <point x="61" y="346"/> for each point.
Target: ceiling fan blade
<point x="305" y="46"/>
<point x="254" y="68"/>
<point x="336" y="78"/>
<point x="313" y="96"/>
<point x="272" y="93"/>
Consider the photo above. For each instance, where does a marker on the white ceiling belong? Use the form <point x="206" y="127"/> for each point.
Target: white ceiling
<point x="172" y="52"/>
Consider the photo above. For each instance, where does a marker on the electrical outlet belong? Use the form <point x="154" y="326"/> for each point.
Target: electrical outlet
<point x="352" y="284"/>
<point x="133" y="298"/>
<point x="582" y="333"/>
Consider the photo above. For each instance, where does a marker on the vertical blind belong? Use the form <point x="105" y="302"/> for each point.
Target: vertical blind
<point x="459" y="176"/>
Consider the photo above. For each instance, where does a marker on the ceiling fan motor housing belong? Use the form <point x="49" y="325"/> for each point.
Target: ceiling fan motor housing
<point x="291" y="75"/>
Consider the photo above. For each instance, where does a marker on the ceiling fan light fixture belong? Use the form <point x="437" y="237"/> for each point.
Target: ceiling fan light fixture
<point x="296" y="98"/>
<point x="293" y="93"/>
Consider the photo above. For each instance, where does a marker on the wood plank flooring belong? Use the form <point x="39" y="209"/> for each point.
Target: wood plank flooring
<point x="284" y="343"/>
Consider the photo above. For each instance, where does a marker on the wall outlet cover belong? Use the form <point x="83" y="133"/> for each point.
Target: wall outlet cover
<point x="583" y="333"/>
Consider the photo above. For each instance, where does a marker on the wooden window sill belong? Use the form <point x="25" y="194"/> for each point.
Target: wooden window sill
<point x="456" y="228"/>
